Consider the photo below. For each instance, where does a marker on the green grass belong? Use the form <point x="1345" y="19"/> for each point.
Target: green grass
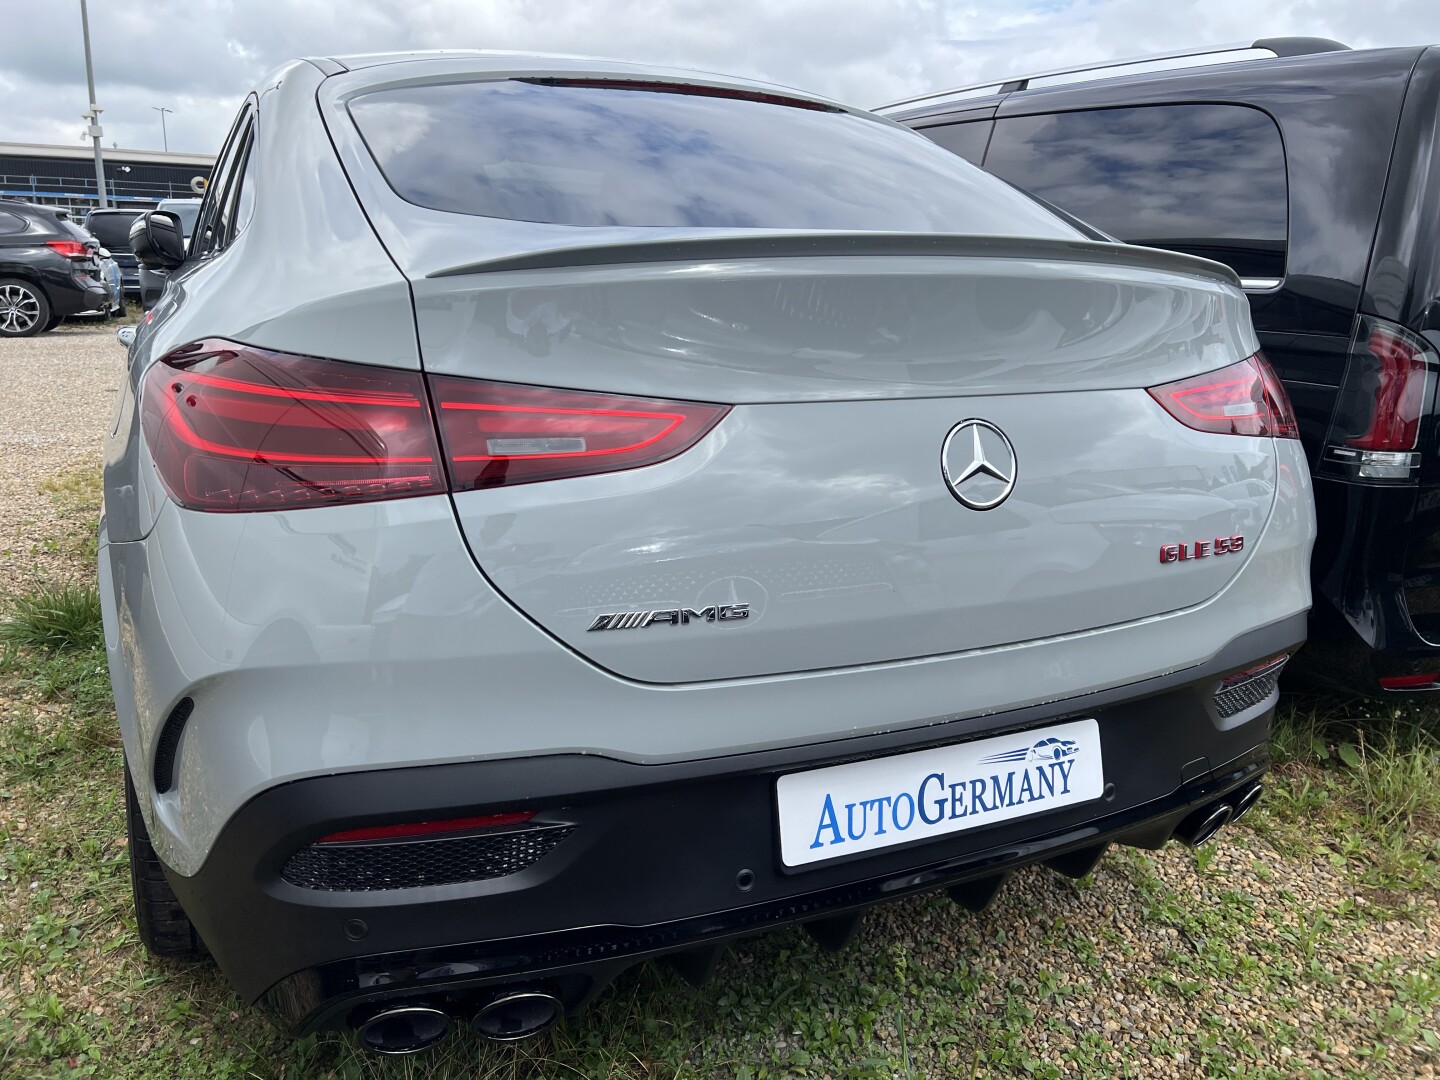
<point x="1368" y="775"/>
<point x="54" y="619"/>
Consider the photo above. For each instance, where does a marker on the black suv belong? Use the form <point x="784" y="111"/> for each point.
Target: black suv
<point x="1314" y="172"/>
<point x="112" y="229"/>
<point x="48" y="269"/>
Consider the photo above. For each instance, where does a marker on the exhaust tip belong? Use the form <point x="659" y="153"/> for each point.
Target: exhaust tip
<point x="1247" y="801"/>
<point x="1200" y="827"/>
<point x="518" y="1015"/>
<point x="403" y="1029"/>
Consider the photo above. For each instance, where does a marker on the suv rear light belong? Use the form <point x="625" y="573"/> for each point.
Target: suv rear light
<point x="1243" y="399"/>
<point x="71" y="249"/>
<point x="233" y="428"/>
<point x="502" y="433"/>
<point x="1375" y="429"/>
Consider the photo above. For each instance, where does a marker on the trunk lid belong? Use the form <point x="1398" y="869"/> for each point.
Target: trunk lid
<point x="817" y="525"/>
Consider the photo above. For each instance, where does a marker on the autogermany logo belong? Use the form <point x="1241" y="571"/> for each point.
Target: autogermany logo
<point x="979" y="464"/>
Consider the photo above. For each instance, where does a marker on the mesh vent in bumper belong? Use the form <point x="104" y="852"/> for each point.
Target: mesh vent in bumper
<point x="366" y="867"/>
<point x="1247" y="690"/>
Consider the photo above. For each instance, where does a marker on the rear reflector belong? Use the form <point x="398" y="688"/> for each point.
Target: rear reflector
<point x="411" y="829"/>
<point x="1246" y="689"/>
<point x="1429" y="681"/>
<point x="232" y="427"/>
<point x="1242" y="399"/>
<point x="501" y="433"/>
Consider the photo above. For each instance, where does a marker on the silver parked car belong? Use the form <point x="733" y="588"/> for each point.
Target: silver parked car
<point x="565" y="512"/>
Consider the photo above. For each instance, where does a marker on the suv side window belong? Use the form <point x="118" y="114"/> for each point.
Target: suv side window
<point x="10" y="223"/>
<point x="967" y="140"/>
<point x="213" y="225"/>
<point x="1203" y="179"/>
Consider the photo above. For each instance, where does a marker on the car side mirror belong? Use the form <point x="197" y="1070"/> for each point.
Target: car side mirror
<point x="158" y="240"/>
<point x="126" y="336"/>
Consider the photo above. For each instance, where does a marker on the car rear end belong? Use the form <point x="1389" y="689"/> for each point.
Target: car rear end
<point x="777" y="516"/>
<point x="112" y="229"/>
<point x="1380" y="462"/>
<point x="61" y="258"/>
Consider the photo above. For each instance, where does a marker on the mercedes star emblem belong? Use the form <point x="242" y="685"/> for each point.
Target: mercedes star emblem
<point x="979" y="464"/>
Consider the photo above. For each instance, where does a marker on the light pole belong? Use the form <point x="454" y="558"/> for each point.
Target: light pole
<point x="163" y="137"/>
<point x="95" y="131"/>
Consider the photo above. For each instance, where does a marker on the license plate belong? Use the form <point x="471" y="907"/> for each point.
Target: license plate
<point x="867" y="805"/>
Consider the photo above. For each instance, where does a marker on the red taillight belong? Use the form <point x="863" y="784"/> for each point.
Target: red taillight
<point x="411" y="829"/>
<point x="1399" y="390"/>
<point x="232" y="427"/>
<point x="71" y="249"/>
<point x="502" y="433"/>
<point x="1243" y="399"/>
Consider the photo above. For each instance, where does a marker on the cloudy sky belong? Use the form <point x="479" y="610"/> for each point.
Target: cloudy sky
<point x="199" y="57"/>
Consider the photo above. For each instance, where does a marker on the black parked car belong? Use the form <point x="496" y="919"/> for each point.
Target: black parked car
<point x="112" y="229"/>
<point x="49" y="269"/>
<point x="1314" y="172"/>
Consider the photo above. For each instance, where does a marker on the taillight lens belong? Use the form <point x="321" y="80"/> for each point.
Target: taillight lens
<point x="501" y="433"/>
<point x="1375" y="429"/>
<point x="71" y="249"/>
<point x="1243" y="399"/>
<point x="1398" y="386"/>
<point x="232" y="427"/>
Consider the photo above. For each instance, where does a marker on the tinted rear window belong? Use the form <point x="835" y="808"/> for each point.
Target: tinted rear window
<point x="112" y="230"/>
<point x="967" y="139"/>
<point x="1204" y="179"/>
<point x="606" y="155"/>
<point x="187" y="212"/>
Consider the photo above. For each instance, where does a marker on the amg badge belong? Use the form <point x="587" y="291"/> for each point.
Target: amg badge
<point x="636" y="620"/>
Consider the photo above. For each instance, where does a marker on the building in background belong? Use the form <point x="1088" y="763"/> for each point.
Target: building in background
<point x="65" y="175"/>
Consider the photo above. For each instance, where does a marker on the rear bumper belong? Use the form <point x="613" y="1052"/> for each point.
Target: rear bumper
<point x="1374" y="591"/>
<point x="70" y="297"/>
<point x="669" y="857"/>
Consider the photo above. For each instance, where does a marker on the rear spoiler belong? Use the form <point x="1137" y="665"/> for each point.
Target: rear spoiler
<point x="807" y="245"/>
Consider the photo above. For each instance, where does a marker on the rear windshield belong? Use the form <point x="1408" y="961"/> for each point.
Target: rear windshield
<point x="112" y="230"/>
<point x="187" y="212"/>
<point x="634" y="155"/>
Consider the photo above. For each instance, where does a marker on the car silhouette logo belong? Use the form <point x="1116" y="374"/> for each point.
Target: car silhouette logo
<point x="1053" y="750"/>
<point x="979" y="464"/>
<point x="1050" y="749"/>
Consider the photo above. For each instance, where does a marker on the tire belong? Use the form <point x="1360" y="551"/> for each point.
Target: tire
<point x="24" y="308"/>
<point x="164" y="927"/>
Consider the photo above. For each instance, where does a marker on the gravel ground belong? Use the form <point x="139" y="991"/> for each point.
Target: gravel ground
<point x="59" y="399"/>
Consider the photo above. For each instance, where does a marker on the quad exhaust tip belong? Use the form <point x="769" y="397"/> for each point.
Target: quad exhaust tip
<point x="1248" y="798"/>
<point x="403" y="1029"/>
<point x="1200" y="828"/>
<point x="518" y="1015"/>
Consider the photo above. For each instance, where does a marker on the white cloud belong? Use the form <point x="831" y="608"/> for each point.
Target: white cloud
<point x="199" y="57"/>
